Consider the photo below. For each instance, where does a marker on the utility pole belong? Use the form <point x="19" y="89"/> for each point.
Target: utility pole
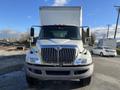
<point x="117" y="21"/>
<point x="108" y="30"/>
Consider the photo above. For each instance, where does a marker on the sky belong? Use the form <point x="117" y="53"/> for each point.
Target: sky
<point x="19" y="15"/>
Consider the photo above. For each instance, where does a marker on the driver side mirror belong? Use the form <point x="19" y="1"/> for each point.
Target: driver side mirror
<point x="32" y="32"/>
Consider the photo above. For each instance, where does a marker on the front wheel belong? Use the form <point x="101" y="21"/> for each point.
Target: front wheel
<point x="31" y="81"/>
<point x="85" y="81"/>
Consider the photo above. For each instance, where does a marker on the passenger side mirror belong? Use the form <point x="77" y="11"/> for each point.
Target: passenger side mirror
<point x="83" y="35"/>
<point x="32" y="32"/>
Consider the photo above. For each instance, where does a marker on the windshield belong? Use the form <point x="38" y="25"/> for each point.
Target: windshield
<point x="60" y="32"/>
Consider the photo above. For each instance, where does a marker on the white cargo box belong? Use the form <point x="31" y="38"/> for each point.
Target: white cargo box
<point x="61" y="15"/>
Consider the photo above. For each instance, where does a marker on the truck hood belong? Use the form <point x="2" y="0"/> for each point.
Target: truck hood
<point x="77" y="43"/>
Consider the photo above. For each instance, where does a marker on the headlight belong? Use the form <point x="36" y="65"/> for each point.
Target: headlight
<point x="83" y="58"/>
<point x="33" y="58"/>
<point x="80" y="61"/>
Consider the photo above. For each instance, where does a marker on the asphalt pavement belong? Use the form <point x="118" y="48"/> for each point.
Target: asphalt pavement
<point x="11" y="63"/>
<point x="106" y="77"/>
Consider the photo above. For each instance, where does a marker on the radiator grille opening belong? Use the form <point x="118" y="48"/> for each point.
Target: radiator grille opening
<point x="62" y="56"/>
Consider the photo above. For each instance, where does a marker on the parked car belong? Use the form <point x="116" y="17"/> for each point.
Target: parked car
<point x="109" y="42"/>
<point x="104" y="51"/>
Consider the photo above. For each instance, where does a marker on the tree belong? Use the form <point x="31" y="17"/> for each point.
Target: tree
<point x="24" y="36"/>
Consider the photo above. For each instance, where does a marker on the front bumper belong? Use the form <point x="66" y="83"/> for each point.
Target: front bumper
<point x="110" y="53"/>
<point x="59" y="73"/>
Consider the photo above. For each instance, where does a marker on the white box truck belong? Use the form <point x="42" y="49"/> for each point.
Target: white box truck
<point x="108" y="42"/>
<point x="59" y="53"/>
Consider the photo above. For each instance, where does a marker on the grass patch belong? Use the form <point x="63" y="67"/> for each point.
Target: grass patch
<point x="118" y="51"/>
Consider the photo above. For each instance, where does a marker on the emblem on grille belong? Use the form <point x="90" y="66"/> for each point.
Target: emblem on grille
<point x="58" y="48"/>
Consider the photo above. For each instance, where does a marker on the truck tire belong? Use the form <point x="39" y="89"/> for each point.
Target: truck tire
<point x="31" y="81"/>
<point x="85" y="81"/>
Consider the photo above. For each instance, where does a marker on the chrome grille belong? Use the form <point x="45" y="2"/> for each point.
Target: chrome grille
<point x="66" y="55"/>
<point x="49" y="55"/>
<point x="62" y="56"/>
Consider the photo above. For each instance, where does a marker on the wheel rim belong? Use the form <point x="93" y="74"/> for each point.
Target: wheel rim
<point x="101" y="54"/>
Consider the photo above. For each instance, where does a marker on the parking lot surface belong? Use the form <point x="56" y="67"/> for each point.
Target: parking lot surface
<point x="106" y="77"/>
